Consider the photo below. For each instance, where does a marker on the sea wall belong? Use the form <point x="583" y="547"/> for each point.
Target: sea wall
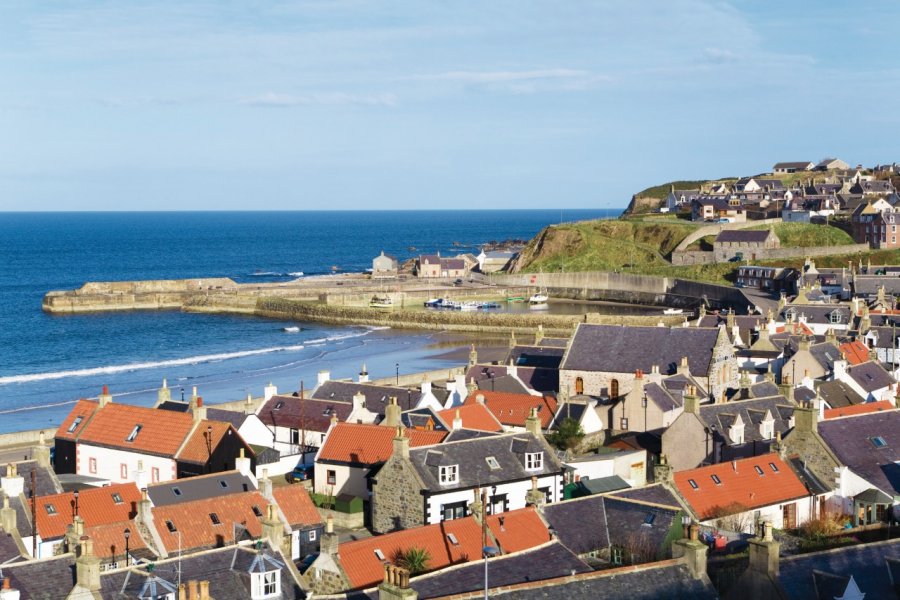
<point x="754" y="254"/>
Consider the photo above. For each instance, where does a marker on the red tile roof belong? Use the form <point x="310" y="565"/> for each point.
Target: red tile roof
<point x="369" y="444"/>
<point x="96" y="506"/>
<point x="855" y="351"/>
<point x="297" y="506"/>
<point x="522" y="529"/>
<point x="83" y="409"/>
<point x="474" y="416"/>
<point x="197" y="528"/>
<point x="513" y="409"/>
<point x="162" y="431"/>
<point x="197" y="448"/>
<point x="741" y="484"/>
<point x="109" y="539"/>
<point x="798" y="328"/>
<point x="858" y="409"/>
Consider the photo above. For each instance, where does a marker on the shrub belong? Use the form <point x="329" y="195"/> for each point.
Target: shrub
<point x="415" y="560"/>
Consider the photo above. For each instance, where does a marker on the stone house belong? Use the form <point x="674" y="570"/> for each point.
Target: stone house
<point x="746" y="244"/>
<point x="494" y="261"/>
<point x="384" y="266"/>
<point x="654" y="401"/>
<point x="676" y="199"/>
<point x="602" y="360"/>
<point x="758" y="184"/>
<point x="830" y="164"/>
<point x="792" y="167"/>
<point x="724" y="431"/>
<point x="428" y="266"/>
<point x="512" y="466"/>
<point x="869" y="379"/>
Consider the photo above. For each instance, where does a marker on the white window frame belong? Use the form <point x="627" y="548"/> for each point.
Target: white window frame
<point x="448" y="474"/>
<point x="534" y="461"/>
<point x="265" y="585"/>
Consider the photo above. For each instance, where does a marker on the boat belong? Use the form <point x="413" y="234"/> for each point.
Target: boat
<point x="672" y="311"/>
<point x="290" y="329"/>
<point x="538" y="305"/>
<point x="379" y="301"/>
<point x="539" y="298"/>
<point x="515" y="299"/>
<point x="469" y="306"/>
<point x="488" y="305"/>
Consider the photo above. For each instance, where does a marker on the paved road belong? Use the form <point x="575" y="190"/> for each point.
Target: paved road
<point x="15" y="455"/>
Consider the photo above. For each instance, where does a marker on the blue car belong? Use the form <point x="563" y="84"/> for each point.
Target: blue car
<point x="303" y="472"/>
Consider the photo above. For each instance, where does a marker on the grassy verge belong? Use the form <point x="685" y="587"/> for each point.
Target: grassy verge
<point x="806" y="235"/>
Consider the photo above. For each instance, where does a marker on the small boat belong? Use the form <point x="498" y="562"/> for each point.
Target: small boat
<point x="673" y="311"/>
<point x="515" y="299"/>
<point x="538" y="305"/>
<point x="469" y="306"/>
<point x="381" y="302"/>
<point x="488" y="305"/>
<point x="539" y="298"/>
<point x="290" y="329"/>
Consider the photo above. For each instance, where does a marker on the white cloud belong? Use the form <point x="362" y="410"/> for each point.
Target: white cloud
<point x="520" y="82"/>
<point x="275" y="100"/>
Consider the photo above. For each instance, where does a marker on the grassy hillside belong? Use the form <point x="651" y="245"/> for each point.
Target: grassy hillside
<point x="661" y="191"/>
<point x="805" y="235"/>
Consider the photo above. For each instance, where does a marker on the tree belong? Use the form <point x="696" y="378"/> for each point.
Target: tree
<point x="567" y="435"/>
<point x="415" y="560"/>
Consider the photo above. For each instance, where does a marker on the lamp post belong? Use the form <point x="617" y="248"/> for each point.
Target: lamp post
<point x="75" y="495"/>
<point x="488" y="551"/>
<point x="685" y="526"/>
<point x="127" y="534"/>
<point x="644" y="404"/>
<point x="397" y="370"/>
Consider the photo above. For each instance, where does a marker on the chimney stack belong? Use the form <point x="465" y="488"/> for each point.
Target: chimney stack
<point x="145" y="510"/>
<point x="396" y="584"/>
<point x="265" y="486"/>
<point x="7" y="516"/>
<point x="269" y="391"/>
<point x="683" y="368"/>
<point x="329" y="543"/>
<point x="693" y="551"/>
<point x="13" y="485"/>
<point x="401" y="444"/>
<point x="163" y="394"/>
<point x="533" y="423"/>
<point x="248" y="405"/>
<point x="359" y="401"/>
<point x="322" y="377"/>
<point x="41" y="452"/>
<point x="243" y="464"/>
<point x="535" y="497"/>
<point x="105" y="397"/>
<point x="199" y="411"/>
<point x="87" y="566"/>
<point x="473" y="356"/>
<point x="457" y="421"/>
<point x="7" y="592"/>
<point x="392" y="413"/>
<point x="691" y="401"/>
<point x="364" y="375"/>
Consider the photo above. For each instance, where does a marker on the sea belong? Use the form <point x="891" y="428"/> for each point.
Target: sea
<point x="48" y="362"/>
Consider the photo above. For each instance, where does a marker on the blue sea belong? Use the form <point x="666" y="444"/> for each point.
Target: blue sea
<point x="47" y="361"/>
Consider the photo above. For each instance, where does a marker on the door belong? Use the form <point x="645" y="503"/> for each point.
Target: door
<point x="579" y="385"/>
<point x="789" y="516"/>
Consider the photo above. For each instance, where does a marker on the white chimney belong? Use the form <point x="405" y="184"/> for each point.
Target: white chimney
<point x="13" y="485"/>
<point x="426" y="386"/>
<point x="242" y="463"/>
<point x="364" y="375"/>
<point x="7" y="592"/>
<point x="269" y="391"/>
<point x="139" y="475"/>
<point x="457" y="421"/>
<point x="322" y="377"/>
<point x="359" y="401"/>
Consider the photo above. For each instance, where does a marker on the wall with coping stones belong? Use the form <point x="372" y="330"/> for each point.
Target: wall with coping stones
<point x="695" y="258"/>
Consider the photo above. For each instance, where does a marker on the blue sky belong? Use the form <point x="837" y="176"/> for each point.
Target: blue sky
<point x="429" y="104"/>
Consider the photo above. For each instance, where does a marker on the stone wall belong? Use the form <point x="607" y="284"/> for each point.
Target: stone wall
<point x="719" y="227"/>
<point x="396" y="499"/>
<point x="693" y="257"/>
<point x="756" y="253"/>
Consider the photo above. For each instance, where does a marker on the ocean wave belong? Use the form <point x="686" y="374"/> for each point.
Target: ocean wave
<point x="36" y="407"/>
<point x="295" y="274"/>
<point x="175" y="362"/>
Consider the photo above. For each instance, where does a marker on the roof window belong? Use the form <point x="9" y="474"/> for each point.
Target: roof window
<point x="278" y="405"/>
<point x="257" y="511"/>
<point x="176" y="491"/>
<point x="649" y="519"/>
<point x="223" y="483"/>
<point x="75" y="424"/>
<point x="774" y="467"/>
<point x="492" y="462"/>
<point x="878" y="441"/>
<point x="215" y="519"/>
<point x="51" y="510"/>
<point x="453" y="539"/>
<point x="759" y="470"/>
<point x="716" y="479"/>
<point x="379" y="554"/>
<point x="134" y="433"/>
<point x="171" y="527"/>
<point x="693" y="484"/>
<point x="117" y="498"/>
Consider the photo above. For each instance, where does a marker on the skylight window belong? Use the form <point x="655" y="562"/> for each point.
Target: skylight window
<point x="176" y="491"/>
<point x="759" y="470"/>
<point x="379" y="554"/>
<point x="693" y="484"/>
<point x="278" y="405"/>
<point x="215" y="519"/>
<point x="257" y="511"/>
<point x="774" y="467"/>
<point x="75" y="424"/>
<point x="452" y="538"/>
<point x="878" y="441"/>
<point x="649" y="519"/>
<point x="134" y="433"/>
<point x="492" y="463"/>
<point x="51" y="510"/>
<point x="223" y="483"/>
<point x="716" y="479"/>
<point x="171" y="527"/>
<point x="117" y="498"/>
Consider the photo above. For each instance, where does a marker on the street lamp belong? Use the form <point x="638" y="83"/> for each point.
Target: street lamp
<point x="488" y="551"/>
<point x="644" y="404"/>
<point x="685" y="526"/>
<point x="397" y="369"/>
<point x="127" y="534"/>
<point x="75" y="494"/>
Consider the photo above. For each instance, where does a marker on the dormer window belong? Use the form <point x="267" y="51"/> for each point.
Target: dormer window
<point x="449" y="475"/>
<point x="134" y="433"/>
<point x="265" y="585"/>
<point x="836" y="317"/>
<point x="51" y="510"/>
<point x="534" y="461"/>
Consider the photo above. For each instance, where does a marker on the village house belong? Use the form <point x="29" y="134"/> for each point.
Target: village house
<point x="714" y="208"/>
<point x="868" y="379"/>
<point x="676" y="199"/>
<point x="297" y="424"/>
<point x="512" y="410"/>
<point x="831" y="164"/>
<point x="744" y="244"/>
<point x="654" y="401"/>
<point x="120" y="443"/>
<point x="511" y="466"/>
<point x="385" y="266"/>
<point x="602" y="360"/>
<point x="792" y="167"/>
<point x="875" y="223"/>
<point x="768" y="279"/>
<point x="758" y="184"/>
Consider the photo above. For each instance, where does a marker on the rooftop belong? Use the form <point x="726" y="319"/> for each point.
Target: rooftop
<point x="362" y="444"/>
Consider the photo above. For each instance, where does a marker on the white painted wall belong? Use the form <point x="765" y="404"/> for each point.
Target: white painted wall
<point x="348" y="480"/>
<point x="109" y="463"/>
<point x="775" y="514"/>
<point x="255" y="432"/>
<point x="515" y="492"/>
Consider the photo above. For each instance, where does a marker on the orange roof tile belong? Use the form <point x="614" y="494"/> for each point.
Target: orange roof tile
<point x="512" y="409"/>
<point x="855" y="351"/>
<point x="797" y="329"/>
<point x="297" y="506"/>
<point x="109" y="539"/>
<point x="364" y="567"/>
<point x="162" y="431"/>
<point x="474" y="416"/>
<point x="858" y="409"/>
<point x="196" y="525"/>
<point x="521" y="529"/>
<point x="82" y="410"/>
<point x="740" y="484"/>
<point x="97" y="506"/>
<point x="197" y="448"/>
<point x="370" y="444"/>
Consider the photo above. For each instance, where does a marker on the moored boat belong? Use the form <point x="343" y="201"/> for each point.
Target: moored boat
<point x="379" y="301"/>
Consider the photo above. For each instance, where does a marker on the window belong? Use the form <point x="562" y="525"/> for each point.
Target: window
<point x="134" y="433"/>
<point x="331" y="477"/>
<point x="223" y="483"/>
<point x="693" y="484"/>
<point x="453" y="539"/>
<point x="497" y="504"/>
<point x="92" y="465"/>
<point x="613" y="389"/>
<point x="456" y="510"/>
<point x="534" y="461"/>
<point x="75" y="424"/>
<point x="616" y="555"/>
<point x="650" y="518"/>
<point x="312" y="535"/>
<point x="579" y="386"/>
<point x="265" y="585"/>
<point x="836" y="317"/>
<point x="123" y="471"/>
<point x="257" y="511"/>
<point x="716" y="479"/>
<point x="117" y="498"/>
<point x="492" y="463"/>
<point x="449" y="474"/>
<point x="759" y="470"/>
<point x="176" y="491"/>
<point x="623" y="425"/>
<point x="278" y="405"/>
<point x="878" y="441"/>
<point x="154" y="475"/>
<point x="379" y="554"/>
<point x="51" y="510"/>
<point x="774" y="467"/>
<point x="215" y="519"/>
<point x="295" y="436"/>
<point x="171" y="527"/>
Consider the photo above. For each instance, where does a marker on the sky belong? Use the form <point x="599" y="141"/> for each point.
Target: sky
<point x="417" y="104"/>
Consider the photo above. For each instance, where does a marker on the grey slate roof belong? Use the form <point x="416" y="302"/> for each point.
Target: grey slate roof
<point x="869" y="564"/>
<point x="868" y="285"/>
<point x="49" y="579"/>
<point x="377" y="396"/>
<point x="9" y="550"/>
<point x="470" y="455"/>
<point x="234" y="417"/>
<point x="554" y="342"/>
<point x="764" y="389"/>
<point x="719" y="417"/>
<point x="662" y="398"/>
<point x="601" y="485"/>
<point x="850" y="440"/>
<point x="309" y="414"/>
<point x="670" y="580"/>
<point x="655" y="493"/>
<point x="749" y="236"/>
<point x="818" y="313"/>
<point x="547" y="357"/>
<point x="838" y="394"/>
<point x="825" y="354"/>
<point x="199" y="488"/>
<point x="870" y="376"/>
<point x="620" y="349"/>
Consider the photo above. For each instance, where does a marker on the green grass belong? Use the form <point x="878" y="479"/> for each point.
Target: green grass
<point x="805" y="235"/>
<point x="660" y="192"/>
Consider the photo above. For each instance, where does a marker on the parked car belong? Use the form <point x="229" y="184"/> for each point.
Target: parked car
<point x="302" y="472"/>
